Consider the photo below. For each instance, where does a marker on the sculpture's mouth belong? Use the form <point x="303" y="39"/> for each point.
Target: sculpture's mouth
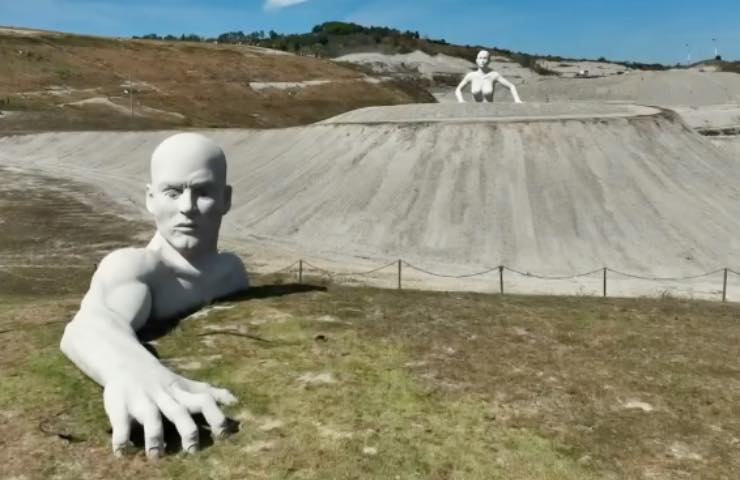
<point x="185" y="227"/>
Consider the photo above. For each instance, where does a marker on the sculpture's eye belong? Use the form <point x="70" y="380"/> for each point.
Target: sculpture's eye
<point x="171" y="193"/>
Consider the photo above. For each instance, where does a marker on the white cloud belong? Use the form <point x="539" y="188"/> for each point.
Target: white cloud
<point x="276" y="4"/>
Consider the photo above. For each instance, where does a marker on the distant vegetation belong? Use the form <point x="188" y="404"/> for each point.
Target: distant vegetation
<point x="729" y="66"/>
<point x="333" y="39"/>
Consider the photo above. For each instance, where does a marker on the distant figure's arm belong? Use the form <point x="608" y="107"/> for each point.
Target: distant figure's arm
<point x="101" y="340"/>
<point x="460" y="86"/>
<point x="511" y="88"/>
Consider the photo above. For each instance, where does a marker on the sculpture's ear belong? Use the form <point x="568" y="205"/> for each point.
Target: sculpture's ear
<point x="227" y="199"/>
<point x="149" y="198"/>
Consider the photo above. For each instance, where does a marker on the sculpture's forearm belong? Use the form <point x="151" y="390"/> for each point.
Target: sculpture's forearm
<point x="515" y="94"/>
<point x="101" y="348"/>
<point x="459" y="95"/>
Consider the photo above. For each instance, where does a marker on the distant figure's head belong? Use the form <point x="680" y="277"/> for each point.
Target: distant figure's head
<point x="483" y="59"/>
<point x="187" y="193"/>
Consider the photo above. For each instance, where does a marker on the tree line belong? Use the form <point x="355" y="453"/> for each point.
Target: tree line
<point x="332" y="39"/>
<point x="321" y="40"/>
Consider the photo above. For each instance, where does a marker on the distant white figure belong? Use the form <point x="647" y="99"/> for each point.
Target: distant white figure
<point x="179" y="271"/>
<point x="482" y="82"/>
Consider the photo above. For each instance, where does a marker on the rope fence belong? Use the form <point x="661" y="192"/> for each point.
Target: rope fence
<point x="302" y="267"/>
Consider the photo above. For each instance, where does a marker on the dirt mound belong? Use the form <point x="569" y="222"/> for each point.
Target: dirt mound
<point x="636" y="190"/>
<point x="481" y="112"/>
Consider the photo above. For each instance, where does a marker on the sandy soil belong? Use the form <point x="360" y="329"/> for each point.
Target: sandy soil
<point x="140" y="110"/>
<point x="686" y="89"/>
<point x="677" y="87"/>
<point x="260" y="86"/>
<point x="423" y="63"/>
<point x="642" y="194"/>
<point x="429" y="66"/>
<point x="711" y="116"/>
<point x="593" y="69"/>
<point x="479" y="112"/>
<point x="730" y="144"/>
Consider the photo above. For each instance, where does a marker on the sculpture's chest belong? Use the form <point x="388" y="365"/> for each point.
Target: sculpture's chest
<point x="175" y="295"/>
<point x="483" y="82"/>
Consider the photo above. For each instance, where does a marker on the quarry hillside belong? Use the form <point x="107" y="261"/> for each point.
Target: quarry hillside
<point x="58" y="81"/>
<point x="550" y="188"/>
<point x="603" y="165"/>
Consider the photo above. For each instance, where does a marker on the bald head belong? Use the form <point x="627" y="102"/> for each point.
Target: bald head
<point x="188" y="151"/>
<point x="188" y="193"/>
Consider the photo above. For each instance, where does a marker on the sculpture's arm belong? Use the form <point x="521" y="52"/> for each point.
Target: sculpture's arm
<point x="101" y="341"/>
<point x="511" y="87"/>
<point x="460" y="86"/>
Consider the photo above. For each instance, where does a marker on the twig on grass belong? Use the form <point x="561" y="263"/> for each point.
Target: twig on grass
<point x="235" y="334"/>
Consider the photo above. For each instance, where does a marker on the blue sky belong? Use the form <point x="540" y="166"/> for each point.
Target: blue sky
<point x="641" y="30"/>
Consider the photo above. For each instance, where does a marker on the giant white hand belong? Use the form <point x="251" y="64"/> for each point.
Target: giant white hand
<point x="100" y="340"/>
<point x="145" y="392"/>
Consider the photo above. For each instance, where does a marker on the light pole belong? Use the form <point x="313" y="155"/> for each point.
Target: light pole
<point x="688" y="55"/>
<point x="131" y="92"/>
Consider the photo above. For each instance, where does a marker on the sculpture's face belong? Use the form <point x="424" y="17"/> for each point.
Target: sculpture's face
<point x="482" y="59"/>
<point x="188" y="194"/>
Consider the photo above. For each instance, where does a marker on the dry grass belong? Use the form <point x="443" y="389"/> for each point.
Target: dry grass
<point x="51" y="237"/>
<point x="207" y="84"/>
<point x="425" y="385"/>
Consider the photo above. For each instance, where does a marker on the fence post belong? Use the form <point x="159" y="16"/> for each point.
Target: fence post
<point x="605" y="269"/>
<point x="724" y="287"/>
<point x="501" y="278"/>
<point x="399" y="274"/>
<point x="300" y="272"/>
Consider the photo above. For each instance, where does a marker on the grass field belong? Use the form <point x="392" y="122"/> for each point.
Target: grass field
<point x="339" y="382"/>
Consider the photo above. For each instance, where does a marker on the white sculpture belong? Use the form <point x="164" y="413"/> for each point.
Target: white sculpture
<point x="482" y="81"/>
<point x="179" y="271"/>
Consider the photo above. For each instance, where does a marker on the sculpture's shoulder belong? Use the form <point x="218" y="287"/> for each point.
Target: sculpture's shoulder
<point x="121" y="286"/>
<point x="127" y="264"/>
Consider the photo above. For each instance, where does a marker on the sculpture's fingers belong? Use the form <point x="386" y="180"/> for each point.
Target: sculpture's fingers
<point x="120" y="421"/>
<point x="221" y="395"/>
<point x="147" y="414"/>
<point x="178" y="414"/>
<point x="205" y="404"/>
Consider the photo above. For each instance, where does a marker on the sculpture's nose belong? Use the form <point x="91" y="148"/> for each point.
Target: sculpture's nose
<point x="186" y="202"/>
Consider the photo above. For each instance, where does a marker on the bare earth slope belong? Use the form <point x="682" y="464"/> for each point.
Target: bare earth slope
<point x="675" y="87"/>
<point x="544" y="188"/>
